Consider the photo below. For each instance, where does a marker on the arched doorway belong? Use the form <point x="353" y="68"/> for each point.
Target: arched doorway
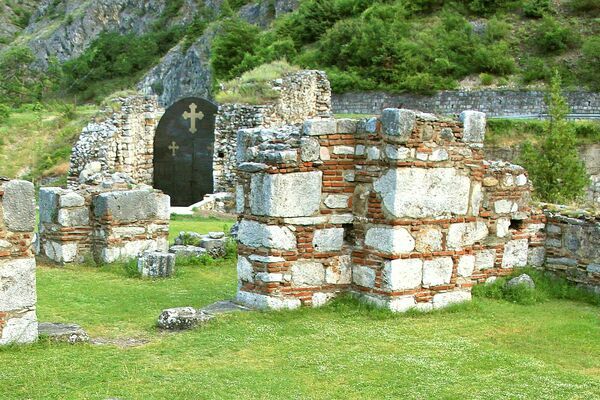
<point x="183" y="150"/>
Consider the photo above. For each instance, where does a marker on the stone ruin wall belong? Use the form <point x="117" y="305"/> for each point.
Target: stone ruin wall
<point x="305" y="94"/>
<point x="401" y="210"/>
<point x="122" y="142"/>
<point x="18" y="321"/>
<point x="573" y="246"/>
<point x="104" y="225"/>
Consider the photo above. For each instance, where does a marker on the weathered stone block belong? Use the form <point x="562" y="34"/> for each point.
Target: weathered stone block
<point x="502" y="225"/>
<point x="429" y="239"/>
<point x="17" y="284"/>
<point x="132" y="249"/>
<point x="422" y="193"/>
<point x="505" y="206"/>
<point x="182" y="318"/>
<point x="485" y="259"/>
<point x="343" y="150"/>
<point x="61" y="252"/>
<point x="466" y="265"/>
<point x="346" y="126"/>
<point x="363" y="276"/>
<point x="256" y="234"/>
<point x="309" y="149"/>
<point x="21" y="327"/>
<point x="127" y="206"/>
<point x="339" y="271"/>
<point x="402" y="274"/>
<point x="473" y="126"/>
<point x="286" y="195"/>
<point x="48" y="203"/>
<point x="441" y="300"/>
<point x="156" y="264"/>
<point x="395" y="240"/>
<point x="536" y="256"/>
<point x="465" y="234"/>
<point x="19" y="206"/>
<point x="186" y="250"/>
<point x="262" y="302"/>
<point x="79" y="216"/>
<point x="71" y="199"/>
<point x="396" y="152"/>
<point x="515" y="253"/>
<point x="330" y="239"/>
<point x="437" y="271"/>
<point x="337" y="201"/>
<point x="398" y="123"/>
<point x="315" y="127"/>
<point x="245" y="271"/>
<point x="308" y="273"/>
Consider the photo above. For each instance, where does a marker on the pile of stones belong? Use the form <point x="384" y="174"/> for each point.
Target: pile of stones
<point x="194" y="244"/>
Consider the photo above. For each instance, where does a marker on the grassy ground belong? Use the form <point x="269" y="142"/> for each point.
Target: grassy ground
<point x="488" y="349"/>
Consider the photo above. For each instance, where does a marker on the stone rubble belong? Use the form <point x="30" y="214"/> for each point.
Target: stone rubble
<point x="156" y="264"/>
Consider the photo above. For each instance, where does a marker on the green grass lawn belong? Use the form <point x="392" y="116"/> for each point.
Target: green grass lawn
<point x="487" y="349"/>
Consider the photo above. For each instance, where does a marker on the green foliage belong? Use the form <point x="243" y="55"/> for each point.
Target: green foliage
<point x="535" y="69"/>
<point x="557" y="172"/>
<point x="486" y="79"/>
<point x="4" y="112"/>
<point x="536" y="8"/>
<point x="255" y="86"/>
<point x="553" y="37"/>
<point x="590" y="61"/>
<point x="237" y="39"/>
<point x="547" y="287"/>
<point x="587" y="7"/>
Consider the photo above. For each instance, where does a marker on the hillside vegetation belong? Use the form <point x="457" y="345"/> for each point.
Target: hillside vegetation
<point x="424" y="45"/>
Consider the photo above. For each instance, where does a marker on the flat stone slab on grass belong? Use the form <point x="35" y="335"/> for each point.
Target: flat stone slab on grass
<point x="59" y="332"/>
<point x="224" y="307"/>
<point x="182" y="318"/>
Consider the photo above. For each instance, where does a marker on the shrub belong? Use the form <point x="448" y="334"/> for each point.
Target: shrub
<point x="536" y="8"/>
<point x="551" y="36"/>
<point x="555" y="168"/>
<point x="494" y="58"/>
<point x="589" y="62"/>
<point x="535" y="69"/>
<point x="588" y="7"/>
<point x="236" y="40"/>
<point x="486" y="79"/>
<point x="4" y="112"/>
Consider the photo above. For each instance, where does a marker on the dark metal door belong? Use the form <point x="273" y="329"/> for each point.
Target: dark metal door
<point x="183" y="151"/>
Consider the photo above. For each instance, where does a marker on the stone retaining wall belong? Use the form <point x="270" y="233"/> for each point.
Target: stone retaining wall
<point x="305" y="94"/>
<point x="18" y="321"/>
<point x="573" y="247"/>
<point x="104" y="225"/>
<point x="495" y="103"/>
<point x="402" y="211"/>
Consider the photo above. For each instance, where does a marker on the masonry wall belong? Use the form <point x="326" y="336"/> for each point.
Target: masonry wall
<point x="304" y="94"/>
<point x="120" y="140"/>
<point x="18" y="322"/>
<point x="106" y="226"/>
<point x="495" y="103"/>
<point x="402" y="211"/>
<point x="573" y="246"/>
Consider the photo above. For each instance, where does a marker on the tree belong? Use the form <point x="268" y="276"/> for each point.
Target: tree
<point x="555" y="168"/>
<point x="20" y="83"/>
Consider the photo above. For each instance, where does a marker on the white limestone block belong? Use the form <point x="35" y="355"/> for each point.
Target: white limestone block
<point x="473" y="126"/>
<point x="337" y="200"/>
<point x="397" y="152"/>
<point x="71" y="199"/>
<point x="17" y="284"/>
<point x="521" y="180"/>
<point x="264" y="302"/>
<point x="485" y="259"/>
<point x="439" y="155"/>
<point x="466" y="265"/>
<point x="256" y="234"/>
<point x="342" y="150"/>
<point x="330" y="239"/>
<point x="402" y="274"/>
<point x="476" y="198"/>
<point x="515" y="253"/>
<point x="245" y="272"/>
<point x="437" y="271"/>
<point x="441" y="300"/>
<point x="464" y="234"/>
<point x="423" y="192"/>
<point x="308" y="273"/>
<point x="296" y="194"/>
<point x="502" y="225"/>
<point x="339" y="271"/>
<point x="391" y="240"/>
<point x="505" y="206"/>
<point x="60" y="252"/>
<point x="363" y="276"/>
<point x="22" y="328"/>
<point x="240" y="199"/>
<point x="429" y="239"/>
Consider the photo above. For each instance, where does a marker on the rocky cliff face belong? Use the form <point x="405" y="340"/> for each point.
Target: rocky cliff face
<point x="13" y="18"/>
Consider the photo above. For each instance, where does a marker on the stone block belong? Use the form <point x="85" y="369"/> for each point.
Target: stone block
<point x="437" y="271"/>
<point x="59" y="332"/>
<point x="182" y="318"/>
<point x="485" y="259"/>
<point x="309" y="149"/>
<point x="79" y="216"/>
<point x="330" y="239"/>
<point x="402" y="274"/>
<point x="396" y="240"/>
<point x="515" y="253"/>
<point x="127" y="206"/>
<point x="256" y="234"/>
<point x="181" y="250"/>
<point x="266" y="259"/>
<point x="343" y="150"/>
<point x="48" y="203"/>
<point x="373" y="153"/>
<point x="396" y="152"/>
<point x="264" y="302"/>
<point x="132" y="249"/>
<point x="286" y="195"/>
<point x="19" y="206"/>
<point x="536" y="256"/>
<point x="476" y="198"/>
<point x="245" y="272"/>
<point x="163" y="206"/>
<point x="17" y="284"/>
<point x="324" y="154"/>
<point x="156" y="264"/>
<point x="339" y="271"/>
<point x="337" y="200"/>
<point x="214" y="247"/>
<point x="423" y="193"/>
<point x="240" y="199"/>
<point x="502" y="225"/>
<point x="398" y="123"/>
<point x="71" y="199"/>
<point x="441" y="300"/>
<point x="61" y="252"/>
<point x="308" y="273"/>
<point x="367" y="125"/>
<point x="21" y="327"/>
<point x="466" y="265"/>
<point x="346" y="126"/>
<point x="315" y="127"/>
<point x="363" y="276"/>
<point x="319" y="299"/>
<point x="473" y="126"/>
<point x="505" y="206"/>
<point x="429" y="239"/>
<point x="464" y="234"/>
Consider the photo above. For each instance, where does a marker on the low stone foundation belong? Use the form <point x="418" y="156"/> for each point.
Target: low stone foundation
<point x="18" y="322"/>
<point x="104" y="225"/>
<point x="401" y="210"/>
<point x="573" y="246"/>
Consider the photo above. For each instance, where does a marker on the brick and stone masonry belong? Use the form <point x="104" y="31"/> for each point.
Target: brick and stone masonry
<point x="104" y="224"/>
<point x="18" y="322"/>
<point x="401" y="210"/>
